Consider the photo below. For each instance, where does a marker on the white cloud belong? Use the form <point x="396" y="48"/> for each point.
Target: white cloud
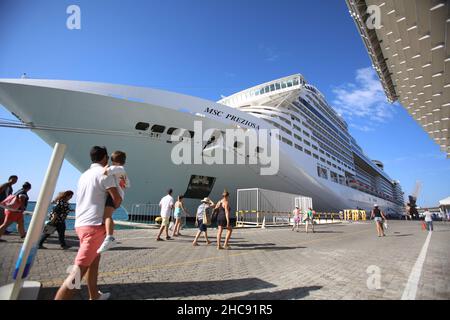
<point x="363" y="103"/>
<point x="269" y="53"/>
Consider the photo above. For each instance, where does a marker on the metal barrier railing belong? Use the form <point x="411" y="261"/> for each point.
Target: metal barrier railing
<point x="258" y="218"/>
<point x="355" y="215"/>
<point x="147" y="214"/>
<point x="255" y="218"/>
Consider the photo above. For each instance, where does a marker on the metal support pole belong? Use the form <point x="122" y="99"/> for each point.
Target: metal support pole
<point x="29" y="247"/>
<point x="257" y="207"/>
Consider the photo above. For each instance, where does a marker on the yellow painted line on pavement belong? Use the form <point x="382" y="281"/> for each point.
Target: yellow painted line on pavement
<point x="53" y="282"/>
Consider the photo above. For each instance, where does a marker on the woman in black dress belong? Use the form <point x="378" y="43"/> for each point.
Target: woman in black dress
<point x="223" y="221"/>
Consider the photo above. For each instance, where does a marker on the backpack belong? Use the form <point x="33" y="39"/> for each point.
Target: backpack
<point x="206" y="217"/>
<point x="12" y="202"/>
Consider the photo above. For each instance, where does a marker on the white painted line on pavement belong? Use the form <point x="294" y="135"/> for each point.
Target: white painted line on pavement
<point x="413" y="281"/>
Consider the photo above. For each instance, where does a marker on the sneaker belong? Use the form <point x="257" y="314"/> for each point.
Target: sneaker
<point x="42" y="247"/>
<point x="159" y="239"/>
<point x="109" y="243"/>
<point x="103" y="296"/>
<point x="169" y="238"/>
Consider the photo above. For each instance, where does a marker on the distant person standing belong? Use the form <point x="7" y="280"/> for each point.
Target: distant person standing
<point x="223" y="220"/>
<point x="203" y="209"/>
<point x="58" y="218"/>
<point x="428" y="219"/>
<point x="378" y="216"/>
<point x="297" y="218"/>
<point x="177" y="214"/>
<point x="308" y="217"/>
<point x="16" y="214"/>
<point x="166" y="205"/>
<point x="6" y="189"/>
<point x="93" y="187"/>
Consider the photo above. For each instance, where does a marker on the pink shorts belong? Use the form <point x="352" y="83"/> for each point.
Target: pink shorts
<point x="91" y="238"/>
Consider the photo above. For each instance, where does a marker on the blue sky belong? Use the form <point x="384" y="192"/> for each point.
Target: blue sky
<point x="209" y="48"/>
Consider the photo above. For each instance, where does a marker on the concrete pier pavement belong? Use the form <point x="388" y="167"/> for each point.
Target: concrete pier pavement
<point x="340" y="261"/>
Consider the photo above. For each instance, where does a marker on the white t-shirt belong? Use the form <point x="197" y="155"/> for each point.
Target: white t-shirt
<point x="91" y="196"/>
<point x="120" y="177"/>
<point x="166" y="204"/>
<point x="428" y="216"/>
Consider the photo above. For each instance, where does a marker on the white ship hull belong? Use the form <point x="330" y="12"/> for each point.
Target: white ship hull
<point x="78" y="105"/>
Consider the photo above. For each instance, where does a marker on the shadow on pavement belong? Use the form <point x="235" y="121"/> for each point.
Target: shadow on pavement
<point x="323" y="231"/>
<point x="167" y="290"/>
<point x="288" y="294"/>
<point x="261" y="246"/>
<point x="123" y="248"/>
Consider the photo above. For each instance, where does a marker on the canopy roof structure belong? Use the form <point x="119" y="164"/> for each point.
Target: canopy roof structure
<point x="410" y="50"/>
<point x="445" y="202"/>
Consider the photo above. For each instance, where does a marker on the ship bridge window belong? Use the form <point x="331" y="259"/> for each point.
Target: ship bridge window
<point x="277" y="85"/>
<point x="283" y="85"/>
<point x="158" y="129"/>
<point x="322" y="172"/>
<point x="286" y="141"/>
<point x="334" y="176"/>
<point x="171" y="130"/>
<point x="142" y="126"/>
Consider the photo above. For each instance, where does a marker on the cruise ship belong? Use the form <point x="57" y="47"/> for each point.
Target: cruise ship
<point x="318" y="157"/>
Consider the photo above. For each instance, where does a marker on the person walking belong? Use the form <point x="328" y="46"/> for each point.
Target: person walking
<point x="297" y="218"/>
<point x="6" y="190"/>
<point x="203" y="209"/>
<point x="428" y="220"/>
<point x="58" y="218"/>
<point x="166" y="205"/>
<point x="223" y="220"/>
<point x="378" y="216"/>
<point x="180" y="209"/>
<point x="16" y="214"/>
<point x="93" y="187"/>
<point x="308" y="217"/>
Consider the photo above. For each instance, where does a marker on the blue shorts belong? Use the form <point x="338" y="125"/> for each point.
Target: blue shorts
<point x="201" y="226"/>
